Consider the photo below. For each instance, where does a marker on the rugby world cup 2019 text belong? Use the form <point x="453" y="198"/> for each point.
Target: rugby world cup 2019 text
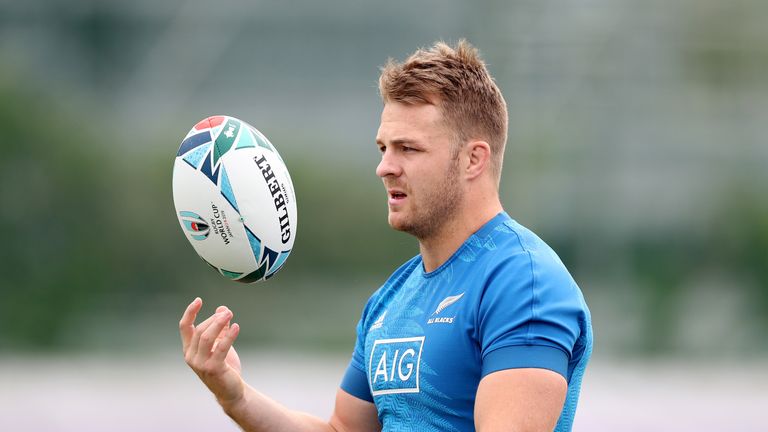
<point x="219" y="224"/>
<point x="277" y="195"/>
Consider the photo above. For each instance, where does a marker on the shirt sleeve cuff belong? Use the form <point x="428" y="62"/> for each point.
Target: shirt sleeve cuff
<point x="526" y="356"/>
<point x="355" y="382"/>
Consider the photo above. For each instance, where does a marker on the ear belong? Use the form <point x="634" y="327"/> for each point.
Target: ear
<point x="478" y="158"/>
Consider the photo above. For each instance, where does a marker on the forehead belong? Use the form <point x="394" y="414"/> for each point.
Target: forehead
<point x="400" y="120"/>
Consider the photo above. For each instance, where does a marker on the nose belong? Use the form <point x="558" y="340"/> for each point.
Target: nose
<point x="388" y="166"/>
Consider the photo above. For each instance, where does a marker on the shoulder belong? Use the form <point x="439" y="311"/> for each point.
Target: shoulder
<point x="529" y="299"/>
<point x="523" y="254"/>
<point x="526" y="276"/>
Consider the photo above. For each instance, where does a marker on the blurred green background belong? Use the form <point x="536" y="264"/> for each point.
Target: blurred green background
<point x="637" y="149"/>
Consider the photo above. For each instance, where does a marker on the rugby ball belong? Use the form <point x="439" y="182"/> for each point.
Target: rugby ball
<point x="234" y="199"/>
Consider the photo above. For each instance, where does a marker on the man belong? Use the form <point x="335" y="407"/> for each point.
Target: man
<point x="484" y="329"/>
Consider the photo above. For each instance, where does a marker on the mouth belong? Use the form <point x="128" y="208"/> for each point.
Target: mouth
<point x="396" y="196"/>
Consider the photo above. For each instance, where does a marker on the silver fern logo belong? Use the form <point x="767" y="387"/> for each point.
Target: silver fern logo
<point x="447" y="302"/>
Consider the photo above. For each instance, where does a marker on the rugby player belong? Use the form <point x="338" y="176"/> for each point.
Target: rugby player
<point x="484" y="330"/>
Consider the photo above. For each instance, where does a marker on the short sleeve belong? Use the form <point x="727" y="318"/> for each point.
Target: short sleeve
<point x="355" y="380"/>
<point x="529" y="315"/>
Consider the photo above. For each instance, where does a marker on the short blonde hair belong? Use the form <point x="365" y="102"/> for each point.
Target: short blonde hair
<point x="456" y="81"/>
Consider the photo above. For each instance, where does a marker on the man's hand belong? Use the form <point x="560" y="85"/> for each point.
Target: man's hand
<point x="208" y="351"/>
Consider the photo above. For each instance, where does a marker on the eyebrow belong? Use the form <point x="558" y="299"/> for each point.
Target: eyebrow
<point x="398" y="141"/>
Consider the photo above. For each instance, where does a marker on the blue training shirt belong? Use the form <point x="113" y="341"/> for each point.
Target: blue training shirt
<point x="425" y="340"/>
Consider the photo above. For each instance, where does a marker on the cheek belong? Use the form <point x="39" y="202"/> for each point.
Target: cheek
<point x="425" y="179"/>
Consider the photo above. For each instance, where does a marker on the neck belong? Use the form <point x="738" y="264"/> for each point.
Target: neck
<point x="437" y="248"/>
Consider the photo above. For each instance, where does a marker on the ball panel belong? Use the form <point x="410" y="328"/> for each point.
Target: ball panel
<point x="194" y="157"/>
<point x="254" y="276"/>
<point x="209" y="122"/>
<point x="226" y="239"/>
<point x="225" y="139"/>
<point x="226" y="190"/>
<point x="229" y="274"/>
<point x="246" y="139"/>
<point x="194" y="141"/>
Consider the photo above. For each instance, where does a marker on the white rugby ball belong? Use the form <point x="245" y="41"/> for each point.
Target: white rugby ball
<point x="234" y="199"/>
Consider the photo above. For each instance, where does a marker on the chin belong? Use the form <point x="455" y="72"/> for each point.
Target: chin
<point x="403" y="224"/>
<point x="398" y="222"/>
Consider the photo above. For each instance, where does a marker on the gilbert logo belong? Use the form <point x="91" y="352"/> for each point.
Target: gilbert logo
<point x="442" y="306"/>
<point x="394" y="365"/>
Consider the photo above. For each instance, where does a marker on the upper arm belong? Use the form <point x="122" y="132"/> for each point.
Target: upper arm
<point x="530" y="315"/>
<point x="353" y="414"/>
<point x="519" y="400"/>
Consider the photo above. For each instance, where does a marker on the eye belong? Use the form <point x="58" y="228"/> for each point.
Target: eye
<point x="407" y="149"/>
<point x="382" y="149"/>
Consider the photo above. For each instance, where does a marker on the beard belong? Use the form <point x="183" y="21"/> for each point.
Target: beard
<point x="436" y="207"/>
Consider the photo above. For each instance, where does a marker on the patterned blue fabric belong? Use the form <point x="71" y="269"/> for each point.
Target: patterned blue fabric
<point x="425" y="340"/>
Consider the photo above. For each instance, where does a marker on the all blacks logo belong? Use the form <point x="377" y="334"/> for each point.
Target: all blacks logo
<point x="278" y="196"/>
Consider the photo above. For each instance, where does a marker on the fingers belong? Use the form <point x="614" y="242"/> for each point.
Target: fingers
<point x="187" y="323"/>
<point x="225" y="343"/>
<point x="194" y="343"/>
<point x="206" y="335"/>
<point x="209" y="335"/>
<point x="223" y="309"/>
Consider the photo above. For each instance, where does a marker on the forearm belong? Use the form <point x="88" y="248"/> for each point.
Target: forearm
<point x="208" y="351"/>
<point x="255" y="412"/>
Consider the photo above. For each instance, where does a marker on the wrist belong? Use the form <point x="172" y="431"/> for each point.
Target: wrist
<point x="233" y="404"/>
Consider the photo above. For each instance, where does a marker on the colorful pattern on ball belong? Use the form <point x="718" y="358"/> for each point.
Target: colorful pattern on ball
<point x="203" y="149"/>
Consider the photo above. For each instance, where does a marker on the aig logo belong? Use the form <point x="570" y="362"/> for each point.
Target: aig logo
<point x="394" y="365"/>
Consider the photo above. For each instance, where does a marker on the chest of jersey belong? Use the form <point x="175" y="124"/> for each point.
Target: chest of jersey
<point x="504" y="300"/>
<point x="421" y="350"/>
